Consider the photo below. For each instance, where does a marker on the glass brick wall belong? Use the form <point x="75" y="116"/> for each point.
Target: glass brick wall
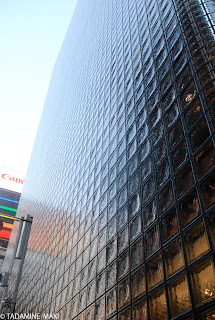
<point x="121" y="181"/>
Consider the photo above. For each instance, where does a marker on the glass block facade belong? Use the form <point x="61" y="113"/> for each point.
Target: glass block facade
<point x="121" y="182"/>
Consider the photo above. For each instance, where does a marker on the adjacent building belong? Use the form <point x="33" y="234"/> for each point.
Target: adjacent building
<point x="11" y="183"/>
<point x="121" y="182"/>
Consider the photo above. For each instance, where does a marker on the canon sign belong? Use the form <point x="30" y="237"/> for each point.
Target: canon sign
<point x="11" y="180"/>
<point x="6" y="176"/>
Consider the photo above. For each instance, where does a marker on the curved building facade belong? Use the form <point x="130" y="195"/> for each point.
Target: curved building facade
<point x="121" y="182"/>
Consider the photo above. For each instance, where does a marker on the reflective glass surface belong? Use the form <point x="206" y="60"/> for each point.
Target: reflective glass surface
<point x="121" y="182"/>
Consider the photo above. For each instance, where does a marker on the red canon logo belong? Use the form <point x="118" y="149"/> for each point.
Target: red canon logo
<point x="6" y="176"/>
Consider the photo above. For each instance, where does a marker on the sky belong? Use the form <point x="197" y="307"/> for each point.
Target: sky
<point x="31" y="34"/>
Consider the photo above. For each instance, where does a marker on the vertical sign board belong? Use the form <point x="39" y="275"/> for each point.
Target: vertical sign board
<point x="11" y="184"/>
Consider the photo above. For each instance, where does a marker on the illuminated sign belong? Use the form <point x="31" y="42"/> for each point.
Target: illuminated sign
<point x="7" y="225"/>
<point x="8" y="217"/>
<point x="8" y="208"/>
<point x="10" y="200"/>
<point x="7" y="177"/>
<point x="5" y="234"/>
<point x="11" y="180"/>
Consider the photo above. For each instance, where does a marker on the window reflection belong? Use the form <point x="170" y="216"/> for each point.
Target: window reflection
<point x="196" y="241"/>
<point x="203" y="281"/>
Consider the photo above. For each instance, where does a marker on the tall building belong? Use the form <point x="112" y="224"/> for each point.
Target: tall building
<point x="121" y="182"/>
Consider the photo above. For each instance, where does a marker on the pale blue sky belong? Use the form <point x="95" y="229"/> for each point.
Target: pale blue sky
<point x="31" y="34"/>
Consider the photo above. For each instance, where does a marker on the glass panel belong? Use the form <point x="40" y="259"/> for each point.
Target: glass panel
<point x="189" y="94"/>
<point x="137" y="253"/>
<point x="101" y="260"/>
<point x="189" y="208"/>
<point x="160" y="152"/>
<point x="171" y="115"/>
<point x="208" y="191"/>
<point x="148" y="189"/>
<point x="91" y="290"/>
<point x="169" y="225"/>
<point x="75" y="306"/>
<point x="209" y="88"/>
<point x="112" y="228"/>
<point x="166" y="198"/>
<point x="140" y="310"/>
<point x="208" y="314"/>
<point x="199" y="134"/>
<point x="133" y="164"/>
<point x="131" y="133"/>
<point x="163" y="173"/>
<point x="123" y="240"/>
<point x="154" y="117"/>
<point x="84" y="276"/>
<point x="210" y="99"/>
<point x="92" y="268"/>
<point x="196" y="241"/>
<point x="158" y="305"/>
<point x="138" y="282"/>
<point x="125" y="315"/>
<point x="93" y="248"/>
<point x="112" y="191"/>
<point x="211" y="223"/>
<point x="100" y="309"/>
<point x="102" y="239"/>
<point x="154" y="271"/>
<point x="122" y="197"/>
<point x="203" y="281"/>
<point x="193" y="112"/>
<point x="100" y="283"/>
<point x="169" y="98"/>
<point x="180" y="155"/>
<point x="121" y="179"/>
<point x="143" y="133"/>
<point x="144" y="151"/>
<point x="205" y="159"/>
<point x="179" y="64"/>
<point x="123" y="293"/>
<point x="179" y="296"/>
<point x="146" y="169"/>
<point x="103" y="220"/>
<point x="157" y="133"/>
<point x="150" y="213"/>
<point x="111" y="275"/>
<point x="184" y="180"/>
<point x="134" y="205"/>
<point x="94" y="229"/>
<point x="90" y="312"/>
<point x="176" y="134"/>
<point x="122" y="216"/>
<point x="183" y="78"/>
<point x="174" y="258"/>
<point x="111" y="251"/>
<point x="111" y="302"/>
<point x="135" y="227"/>
<point x="132" y="148"/>
<point x="142" y="118"/>
<point x="152" y="240"/>
<point x="123" y="264"/>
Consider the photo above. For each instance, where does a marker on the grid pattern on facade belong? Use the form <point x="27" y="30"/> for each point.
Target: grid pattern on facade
<point x="123" y="172"/>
